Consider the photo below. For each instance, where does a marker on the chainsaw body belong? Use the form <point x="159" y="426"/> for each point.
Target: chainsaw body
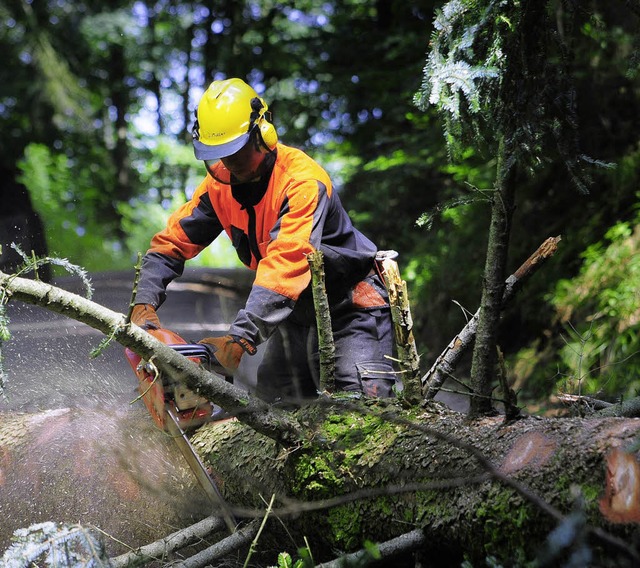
<point x="164" y="397"/>
<point x="177" y="409"/>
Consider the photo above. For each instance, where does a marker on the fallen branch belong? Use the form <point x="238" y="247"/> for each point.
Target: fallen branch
<point x="220" y="549"/>
<point x="175" y="541"/>
<point x="588" y="402"/>
<point x="448" y="359"/>
<point x="628" y="409"/>
<point x="273" y="423"/>
<point x="386" y="550"/>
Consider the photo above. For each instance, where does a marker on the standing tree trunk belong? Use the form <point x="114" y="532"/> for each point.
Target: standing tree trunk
<point x="120" y="152"/>
<point x="484" y="353"/>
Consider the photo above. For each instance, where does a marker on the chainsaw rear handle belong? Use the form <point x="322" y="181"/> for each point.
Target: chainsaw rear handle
<point x="203" y="353"/>
<point x="193" y="350"/>
<point x="197" y="351"/>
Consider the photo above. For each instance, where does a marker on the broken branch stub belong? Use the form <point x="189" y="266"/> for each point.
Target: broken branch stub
<point x="403" y="329"/>
<point x="447" y="360"/>
<point x="326" y="346"/>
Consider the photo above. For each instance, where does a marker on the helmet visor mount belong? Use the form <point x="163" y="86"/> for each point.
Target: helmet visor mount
<point x="210" y="167"/>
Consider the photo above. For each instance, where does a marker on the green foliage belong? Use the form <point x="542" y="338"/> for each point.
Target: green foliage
<point x="33" y="263"/>
<point x="305" y="559"/>
<point x="285" y="561"/>
<point x="167" y="170"/>
<point x="483" y="71"/>
<point x="457" y="64"/>
<point x="370" y="553"/>
<point x="59" y="546"/>
<point x="592" y="345"/>
<point x="464" y="68"/>
<point x="449" y="210"/>
<point x="600" y="311"/>
<point x="69" y="203"/>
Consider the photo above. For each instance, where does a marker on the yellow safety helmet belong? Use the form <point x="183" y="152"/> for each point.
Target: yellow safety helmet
<point x="227" y="113"/>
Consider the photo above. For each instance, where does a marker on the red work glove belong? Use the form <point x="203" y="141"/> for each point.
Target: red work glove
<point x="226" y="352"/>
<point x="144" y="315"/>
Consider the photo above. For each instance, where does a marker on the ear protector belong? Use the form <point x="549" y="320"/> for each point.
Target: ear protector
<point x="267" y="134"/>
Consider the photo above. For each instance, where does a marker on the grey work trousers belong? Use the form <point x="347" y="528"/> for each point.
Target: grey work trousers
<point x="363" y="338"/>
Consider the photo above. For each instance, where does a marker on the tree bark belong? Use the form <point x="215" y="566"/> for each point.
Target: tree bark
<point x="478" y="488"/>
<point x="484" y="353"/>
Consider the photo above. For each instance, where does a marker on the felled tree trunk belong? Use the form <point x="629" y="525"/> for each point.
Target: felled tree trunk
<point x="343" y="473"/>
<point x="475" y="488"/>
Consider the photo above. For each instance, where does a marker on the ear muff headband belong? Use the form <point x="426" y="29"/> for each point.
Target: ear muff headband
<point x="268" y="134"/>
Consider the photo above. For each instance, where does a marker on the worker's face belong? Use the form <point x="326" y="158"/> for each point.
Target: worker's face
<point x="245" y="163"/>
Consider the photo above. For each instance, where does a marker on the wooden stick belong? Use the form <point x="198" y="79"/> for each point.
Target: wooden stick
<point x="175" y="541"/>
<point x="134" y="288"/>
<point x="446" y="362"/>
<point x="403" y="330"/>
<point x="222" y="548"/>
<point x="402" y="544"/>
<point x="326" y="346"/>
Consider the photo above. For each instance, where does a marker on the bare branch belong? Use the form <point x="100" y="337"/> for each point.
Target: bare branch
<point x="326" y="346"/>
<point x="221" y="549"/>
<point x="273" y="423"/>
<point x="170" y="543"/>
<point x="448" y="359"/>
<point x="404" y="543"/>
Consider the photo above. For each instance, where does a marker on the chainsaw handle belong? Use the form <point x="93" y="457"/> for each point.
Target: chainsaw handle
<point x="202" y="352"/>
<point x="193" y="350"/>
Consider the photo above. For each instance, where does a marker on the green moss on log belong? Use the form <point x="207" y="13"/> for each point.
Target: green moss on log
<point x="347" y="452"/>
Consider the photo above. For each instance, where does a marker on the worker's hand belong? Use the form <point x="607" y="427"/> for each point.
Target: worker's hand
<point x="226" y="352"/>
<point x="145" y="316"/>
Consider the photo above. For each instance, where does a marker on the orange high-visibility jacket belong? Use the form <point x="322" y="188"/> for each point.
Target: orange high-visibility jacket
<point x="273" y="224"/>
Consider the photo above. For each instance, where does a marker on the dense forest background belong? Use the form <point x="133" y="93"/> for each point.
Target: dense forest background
<point x="97" y="102"/>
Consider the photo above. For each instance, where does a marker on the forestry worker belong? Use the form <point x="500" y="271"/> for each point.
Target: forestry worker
<point x="277" y="205"/>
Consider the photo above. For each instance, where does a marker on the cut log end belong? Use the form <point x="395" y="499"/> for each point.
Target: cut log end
<point x="621" y="501"/>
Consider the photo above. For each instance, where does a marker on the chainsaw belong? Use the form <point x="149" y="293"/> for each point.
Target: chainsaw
<point x="175" y="408"/>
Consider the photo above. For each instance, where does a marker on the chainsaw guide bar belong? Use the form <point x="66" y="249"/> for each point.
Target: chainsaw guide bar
<point x="176" y="409"/>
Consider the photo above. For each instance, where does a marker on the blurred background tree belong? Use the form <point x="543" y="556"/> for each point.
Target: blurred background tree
<point x="97" y="100"/>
